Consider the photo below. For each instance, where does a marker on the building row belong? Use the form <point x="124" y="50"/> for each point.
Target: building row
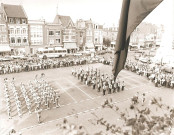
<point x="20" y="35"/>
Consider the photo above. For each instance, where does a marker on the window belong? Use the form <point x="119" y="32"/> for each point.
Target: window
<point x="51" y="51"/>
<point x="24" y="40"/>
<point x="73" y="37"/>
<point x="81" y="34"/>
<point x="4" y="39"/>
<point x="66" y="37"/>
<point x="51" y="41"/>
<point x="11" y="31"/>
<point x="11" y="20"/>
<point x="24" y="31"/>
<point x="57" y="33"/>
<point x="18" y="40"/>
<point x="24" y="21"/>
<point x="66" y="31"/>
<point x="73" y="31"/>
<point x="2" y="28"/>
<point x="17" y="31"/>
<point x="12" y="40"/>
<point x="18" y="21"/>
<point x="57" y="40"/>
<point x="51" y="33"/>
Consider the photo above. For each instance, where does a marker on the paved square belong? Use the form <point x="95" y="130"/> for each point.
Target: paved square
<point x="75" y="99"/>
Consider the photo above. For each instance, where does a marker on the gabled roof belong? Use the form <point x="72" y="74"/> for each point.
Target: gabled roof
<point x="64" y="20"/>
<point x="14" y="11"/>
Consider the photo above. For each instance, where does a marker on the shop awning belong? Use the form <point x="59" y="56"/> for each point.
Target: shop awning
<point x="98" y="45"/>
<point x="113" y="43"/>
<point x="5" y="48"/>
<point x="89" y="45"/>
<point x="40" y="49"/>
<point x="70" y="45"/>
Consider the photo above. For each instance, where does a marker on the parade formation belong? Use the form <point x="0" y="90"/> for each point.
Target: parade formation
<point x="102" y="82"/>
<point x="29" y="98"/>
<point x="60" y="77"/>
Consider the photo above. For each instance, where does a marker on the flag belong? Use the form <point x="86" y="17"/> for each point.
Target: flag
<point x="132" y="14"/>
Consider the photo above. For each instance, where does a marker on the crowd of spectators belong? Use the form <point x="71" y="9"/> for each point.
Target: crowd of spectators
<point x="41" y="64"/>
<point x="154" y="73"/>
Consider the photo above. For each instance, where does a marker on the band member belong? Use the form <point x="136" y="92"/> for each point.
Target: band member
<point x="122" y="86"/>
<point x="57" y="101"/>
<point x="38" y="111"/>
<point x="104" y="88"/>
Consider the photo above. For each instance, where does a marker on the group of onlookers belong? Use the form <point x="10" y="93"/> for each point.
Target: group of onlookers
<point x="41" y="64"/>
<point x="156" y="73"/>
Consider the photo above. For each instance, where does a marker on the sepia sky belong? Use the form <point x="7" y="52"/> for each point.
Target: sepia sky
<point x="105" y="12"/>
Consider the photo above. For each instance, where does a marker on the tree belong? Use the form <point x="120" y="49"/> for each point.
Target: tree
<point x="143" y="121"/>
<point x="106" y="42"/>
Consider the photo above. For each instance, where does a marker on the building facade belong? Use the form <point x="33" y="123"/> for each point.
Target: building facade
<point x="144" y="35"/>
<point x="81" y="33"/>
<point x="89" y="41"/>
<point x="53" y="35"/>
<point x="68" y="32"/>
<point x="4" y="40"/>
<point x="36" y="35"/>
<point x="17" y="28"/>
<point x="98" y="36"/>
<point x="110" y="35"/>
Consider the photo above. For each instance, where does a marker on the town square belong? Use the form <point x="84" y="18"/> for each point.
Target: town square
<point x="66" y="77"/>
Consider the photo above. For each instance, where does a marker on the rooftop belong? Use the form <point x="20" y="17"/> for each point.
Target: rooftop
<point x="14" y="11"/>
<point x="64" y="20"/>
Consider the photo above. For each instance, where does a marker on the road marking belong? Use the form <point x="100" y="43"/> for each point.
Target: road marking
<point x="86" y="111"/>
<point x="66" y="92"/>
<point x="80" y="89"/>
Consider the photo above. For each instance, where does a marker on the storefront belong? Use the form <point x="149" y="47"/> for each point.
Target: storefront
<point x="5" y="50"/>
<point x="98" y="47"/>
<point x="71" y="47"/>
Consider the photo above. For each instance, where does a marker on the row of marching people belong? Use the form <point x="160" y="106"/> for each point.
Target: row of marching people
<point x="38" y="94"/>
<point x="100" y="81"/>
<point x="15" y="95"/>
<point x="7" y="97"/>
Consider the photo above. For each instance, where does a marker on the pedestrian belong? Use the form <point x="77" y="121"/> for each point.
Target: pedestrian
<point x="38" y="111"/>
<point x="48" y="104"/>
<point x="110" y="87"/>
<point x="123" y="85"/>
<point x="57" y="102"/>
<point x="93" y="83"/>
<point x="143" y="99"/>
<point x="104" y="88"/>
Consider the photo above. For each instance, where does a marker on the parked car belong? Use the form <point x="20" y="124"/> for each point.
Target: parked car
<point x="5" y="59"/>
<point x="78" y="54"/>
<point x="144" y="59"/>
<point x="18" y="57"/>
